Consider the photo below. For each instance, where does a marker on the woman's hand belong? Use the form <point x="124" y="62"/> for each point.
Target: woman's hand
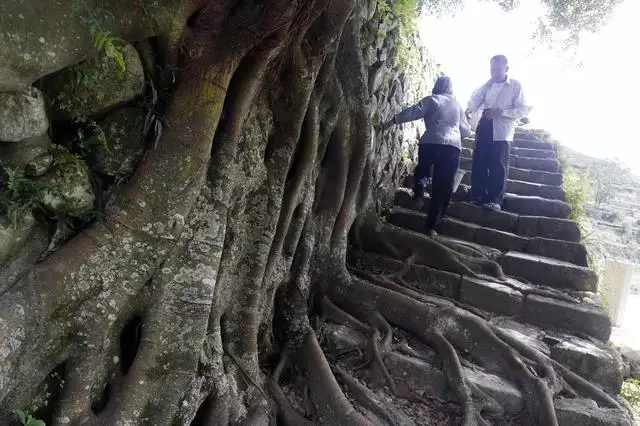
<point x="389" y="123"/>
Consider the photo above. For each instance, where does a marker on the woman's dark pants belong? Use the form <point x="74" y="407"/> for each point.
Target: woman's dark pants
<point x="445" y="160"/>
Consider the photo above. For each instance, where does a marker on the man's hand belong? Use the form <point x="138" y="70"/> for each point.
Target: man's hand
<point x="468" y="113"/>
<point x="389" y="123"/>
<point x="493" y="113"/>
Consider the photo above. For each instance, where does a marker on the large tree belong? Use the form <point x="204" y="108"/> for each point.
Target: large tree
<point x="194" y="291"/>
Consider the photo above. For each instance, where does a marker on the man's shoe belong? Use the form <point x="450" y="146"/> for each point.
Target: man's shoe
<point x="495" y="207"/>
<point x="431" y="233"/>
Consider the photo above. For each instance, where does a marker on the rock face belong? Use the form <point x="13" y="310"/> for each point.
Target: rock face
<point x="94" y="86"/>
<point x="14" y="235"/>
<point x="598" y="363"/>
<point x="115" y="144"/>
<point x="70" y="191"/>
<point x="18" y="155"/>
<point x="22" y="115"/>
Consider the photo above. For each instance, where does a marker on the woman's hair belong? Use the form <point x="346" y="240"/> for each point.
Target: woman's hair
<point x="442" y="86"/>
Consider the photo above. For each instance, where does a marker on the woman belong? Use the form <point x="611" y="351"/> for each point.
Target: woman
<point x="439" y="147"/>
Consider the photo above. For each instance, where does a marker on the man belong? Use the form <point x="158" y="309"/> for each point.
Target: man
<point x="502" y="103"/>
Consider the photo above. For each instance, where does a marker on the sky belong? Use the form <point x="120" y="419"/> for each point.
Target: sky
<point x="592" y="109"/>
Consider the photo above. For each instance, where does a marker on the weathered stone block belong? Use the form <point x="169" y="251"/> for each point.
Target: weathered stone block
<point x="524" y="332"/>
<point x="536" y="206"/>
<point x="585" y="412"/>
<point x="548" y="227"/>
<point x="434" y="281"/>
<point x="95" y="85"/>
<point x="500" y="240"/>
<point x="18" y="155"/>
<point x="533" y="153"/>
<point x="567" y="251"/>
<point x="549" y="272"/>
<point x="490" y="296"/>
<point x="22" y="115"/>
<point x="542" y="164"/>
<point x="596" y="363"/>
<point x="422" y="378"/>
<point x="535" y="190"/>
<point x="589" y="319"/>
<point x="116" y="146"/>
<point x="457" y="229"/>
<point x="535" y="176"/>
<point x="504" y="221"/>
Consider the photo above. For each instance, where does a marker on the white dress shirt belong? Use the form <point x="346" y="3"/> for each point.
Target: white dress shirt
<point x="509" y="97"/>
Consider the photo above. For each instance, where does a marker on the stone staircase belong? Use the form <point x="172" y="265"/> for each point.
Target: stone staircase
<point x="550" y="299"/>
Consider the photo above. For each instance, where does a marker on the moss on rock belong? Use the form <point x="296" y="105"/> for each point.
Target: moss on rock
<point x="69" y="191"/>
<point x="115" y="144"/>
<point x="94" y="86"/>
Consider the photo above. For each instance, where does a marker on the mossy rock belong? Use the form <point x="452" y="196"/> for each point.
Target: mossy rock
<point x="18" y="155"/>
<point x="115" y="144"/>
<point x="69" y="191"/>
<point x="22" y="115"/>
<point x="14" y="234"/>
<point x="94" y="86"/>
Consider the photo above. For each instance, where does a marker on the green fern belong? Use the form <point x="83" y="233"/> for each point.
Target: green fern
<point x="21" y="196"/>
<point x="27" y="419"/>
<point x="103" y="41"/>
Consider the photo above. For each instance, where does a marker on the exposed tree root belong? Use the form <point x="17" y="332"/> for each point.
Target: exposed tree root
<point x="412" y="247"/>
<point x="363" y="395"/>
<point x="446" y="327"/>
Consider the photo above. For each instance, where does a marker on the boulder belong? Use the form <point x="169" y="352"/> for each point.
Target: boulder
<point x="115" y="144"/>
<point x="69" y="190"/>
<point x="94" y="86"/>
<point x="597" y="363"/>
<point x="18" y="155"/>
<point x="585" y="412"/>
<point x="39" y="165"/>
<point x="22" y="115"/>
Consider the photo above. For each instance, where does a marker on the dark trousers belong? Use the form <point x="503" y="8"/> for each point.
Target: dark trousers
<point x="490" y="167"/>
<point x="445" y="160"/>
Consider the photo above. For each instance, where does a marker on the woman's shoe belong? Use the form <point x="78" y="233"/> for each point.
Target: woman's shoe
<point x="431" y="233"/>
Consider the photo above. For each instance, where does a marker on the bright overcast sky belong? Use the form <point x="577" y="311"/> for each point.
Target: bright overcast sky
<point x="593" y="109"/>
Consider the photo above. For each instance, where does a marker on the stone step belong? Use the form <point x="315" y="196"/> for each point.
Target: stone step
<point x="514" y="300"/>
<point x="533" y="153"/>
<point x="525" y="175"/>
<point x="518" y="142"/>
<point x="521" y="187"/>
<point x="549" y="272"/>
<point x="523" y="225"/>
<point x="549" y="165"/>
<point x="521" y="152"/>
<point x="596" y="362"/>
<point x="536" y="206"/>
<point x="575" y="253"/>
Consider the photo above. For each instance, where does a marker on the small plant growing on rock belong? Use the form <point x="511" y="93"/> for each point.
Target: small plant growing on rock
<point x="27" y="419"/>
<point x="631" y="392"/>
<point x="21" y="195"/>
